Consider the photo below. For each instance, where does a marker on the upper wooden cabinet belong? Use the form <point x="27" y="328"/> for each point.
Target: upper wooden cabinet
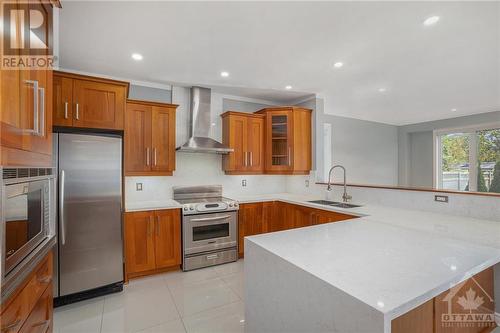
<point x="149" y="138"/>
<point x="272" y="140"/>
<point x="89" y="102"/>
<point x="152" y="241"/>
<point x="26" y="98"/>
<point x="244" y="132"/>
<point x="287" y="140"/>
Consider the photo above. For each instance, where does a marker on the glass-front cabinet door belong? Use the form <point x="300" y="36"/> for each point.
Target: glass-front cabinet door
<point x="279" y="140"/>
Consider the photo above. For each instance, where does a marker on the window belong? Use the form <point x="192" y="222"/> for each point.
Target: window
<point x="468" y="159"/>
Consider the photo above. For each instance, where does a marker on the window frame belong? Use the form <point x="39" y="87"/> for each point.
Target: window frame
<point x="473" y="151"/>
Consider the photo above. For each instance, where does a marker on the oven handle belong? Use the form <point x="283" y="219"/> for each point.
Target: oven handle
<point x="211" y="218"/>
<point x="61" y="208"/>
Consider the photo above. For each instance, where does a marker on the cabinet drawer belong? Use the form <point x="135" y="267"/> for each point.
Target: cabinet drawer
<point x="14" y="315"/>
<point x="40" y="318"/>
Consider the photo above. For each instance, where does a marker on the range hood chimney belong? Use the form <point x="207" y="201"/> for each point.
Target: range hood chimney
<point x="200" y="125"/>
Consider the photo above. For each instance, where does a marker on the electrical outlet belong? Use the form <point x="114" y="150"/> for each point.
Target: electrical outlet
<point x="244" y="182"/>
<point x="307" y="182"/>
<point x="138" y="186"/>
<point x="441" y="198"/>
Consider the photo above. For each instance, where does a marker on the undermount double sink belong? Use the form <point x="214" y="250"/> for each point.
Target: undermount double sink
<point x="334" y="203"/>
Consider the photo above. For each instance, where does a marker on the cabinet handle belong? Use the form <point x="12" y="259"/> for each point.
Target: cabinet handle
<point x="41" y="120"/>
<point x="154" y="156"/>
<point x="77" y="112"/>
<point x="289" y="156"/>
<point x="35" y="106"/>
<point x="45" y="279"/>
<point x="158" y="226"/>
<point x="246" y="158"/>
<point x="150" y="231"/>
<point x="147" y="156"/>
<point x="65" y="110"/>
<point x="45" y="324"/>
<point x="251" y="158"/>
<point x="212" y="256"/>
<point x="10" y="326"/>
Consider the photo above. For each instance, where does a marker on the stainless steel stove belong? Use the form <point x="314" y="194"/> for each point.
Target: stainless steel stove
<point x="209" y="226"/>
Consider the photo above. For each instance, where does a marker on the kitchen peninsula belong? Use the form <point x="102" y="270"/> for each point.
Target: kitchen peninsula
<point x="363" y="274"/>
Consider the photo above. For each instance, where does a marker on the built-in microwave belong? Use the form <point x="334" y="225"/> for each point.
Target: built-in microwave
<point x="25" y="213"/>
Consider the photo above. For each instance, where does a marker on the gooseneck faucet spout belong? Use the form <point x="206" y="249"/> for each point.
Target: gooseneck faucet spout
<point x="345" y="196"/>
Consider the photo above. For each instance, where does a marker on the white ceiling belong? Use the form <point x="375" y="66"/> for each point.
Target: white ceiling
<point x="427" y="71"/>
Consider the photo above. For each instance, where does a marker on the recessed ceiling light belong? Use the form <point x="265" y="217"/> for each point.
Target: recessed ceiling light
<point x="453" y="110"/>
<point x="137" y="56"/>
<point x="431" y="20"/>
<point x="224" y="74"/>
<point x="338" y="64"/>
<point x="288" y="87"/>
<point x="382" y="90"/>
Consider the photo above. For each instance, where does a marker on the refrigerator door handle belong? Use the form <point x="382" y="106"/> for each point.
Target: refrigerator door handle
<point x="61" y="207"/>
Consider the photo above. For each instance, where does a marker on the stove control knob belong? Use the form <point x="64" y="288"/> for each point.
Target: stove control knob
<point x="235" y="204"/>
<point x="185" y="208"/>
<point x="191" y="208"/>
<point x="231" y="204"/>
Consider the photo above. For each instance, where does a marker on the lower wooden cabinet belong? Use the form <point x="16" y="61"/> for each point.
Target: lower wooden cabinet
<point x="261" y="217"/>
<point x="431" y="317"/>
<point x="30" y="308"/>
<point x="152" y="241"/>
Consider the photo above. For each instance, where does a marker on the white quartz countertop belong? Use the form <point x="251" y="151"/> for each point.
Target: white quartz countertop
<point x="151" y="205"/>
<point x="391" y="259"/>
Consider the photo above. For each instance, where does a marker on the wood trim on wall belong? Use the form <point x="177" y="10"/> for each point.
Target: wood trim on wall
<point x="417" y="189"/>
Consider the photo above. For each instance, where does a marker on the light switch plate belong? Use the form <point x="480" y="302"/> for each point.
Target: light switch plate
<point x="244" y="182"/>
<point x="307" y="182"/>
<point x="138" y="186"/>
<point x="441" y="198"/>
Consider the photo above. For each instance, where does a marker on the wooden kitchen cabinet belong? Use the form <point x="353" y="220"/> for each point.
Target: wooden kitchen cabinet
<point x="149" y="139"/>
<point x="261" y="217"/>
<point x="26" y="99"/>
<point x="139" y="241"/>
<point x="251" y="221"/>
<point x="287" y="140"/>
<point x="88" y="102"/>
<point x="427" y="318"/>
<point x="30" y="307"/>
<point x="152" y="241"/>
<point x="167" y="238"/>
<point x="243" y="132"/>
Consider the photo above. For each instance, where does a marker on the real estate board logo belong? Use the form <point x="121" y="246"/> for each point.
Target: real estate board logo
<point x="26" y="34"/>
<point x="468" y="305"/>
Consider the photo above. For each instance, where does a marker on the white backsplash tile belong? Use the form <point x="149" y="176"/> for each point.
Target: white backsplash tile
<point x="200" y="169"/>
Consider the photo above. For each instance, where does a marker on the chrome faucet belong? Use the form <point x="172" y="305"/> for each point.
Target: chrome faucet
<point x="345" y="196"/>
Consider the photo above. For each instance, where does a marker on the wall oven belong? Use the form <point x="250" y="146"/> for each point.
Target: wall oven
<point x="208" y="232"/>
<point x="25" y="213"/>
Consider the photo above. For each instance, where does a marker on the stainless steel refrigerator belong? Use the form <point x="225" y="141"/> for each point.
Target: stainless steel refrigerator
<point x="90" y="247"/>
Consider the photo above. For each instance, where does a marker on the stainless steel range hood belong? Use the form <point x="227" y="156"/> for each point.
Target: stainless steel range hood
<point x="200" y="124"/>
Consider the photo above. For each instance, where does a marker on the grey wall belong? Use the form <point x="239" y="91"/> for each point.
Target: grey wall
<point x="241" y="106"/>
<point x="150" y="94"/>
<point x="421" y="150"/>
<point x="368" y="150"/>
<point x="416" y="142"/>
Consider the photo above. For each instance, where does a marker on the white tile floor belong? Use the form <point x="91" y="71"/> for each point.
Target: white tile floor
<point x="206" y="300"/>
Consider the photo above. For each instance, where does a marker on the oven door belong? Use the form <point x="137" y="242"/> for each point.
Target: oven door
<point x="26" y="217"/>
<point x="208" y="232"/>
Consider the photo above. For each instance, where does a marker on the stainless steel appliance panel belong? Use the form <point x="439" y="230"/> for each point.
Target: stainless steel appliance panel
<point x="26" y="216"/>
<point x="207" y="232"/>
<point x="210" y="259"/>
<point x="90" y="208"/>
